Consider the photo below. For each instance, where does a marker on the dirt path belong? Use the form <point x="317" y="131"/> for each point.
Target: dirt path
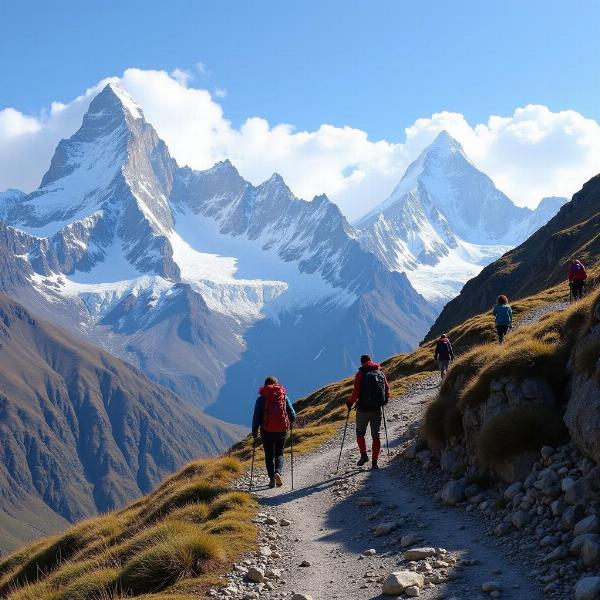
<point x="330" y="531"/>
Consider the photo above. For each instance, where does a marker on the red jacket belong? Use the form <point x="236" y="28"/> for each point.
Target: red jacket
<point x="576" y="272"/>
<point x="369" y="366"/>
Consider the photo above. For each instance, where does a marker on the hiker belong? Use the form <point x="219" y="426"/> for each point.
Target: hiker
<point x="443" y="354"/>
<point x="577" y="277"/>
<point x="273" y="413"/>
<point x="503" y="313"/>
<point x="371" y="392"/>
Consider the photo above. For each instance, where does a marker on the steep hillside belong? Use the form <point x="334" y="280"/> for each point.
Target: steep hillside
<point x="537" y="264"/>
<point x="170" y="545"/>
<point x="82" y="431"/>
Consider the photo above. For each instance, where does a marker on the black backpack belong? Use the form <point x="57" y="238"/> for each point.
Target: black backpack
<point x="372" y="389"/>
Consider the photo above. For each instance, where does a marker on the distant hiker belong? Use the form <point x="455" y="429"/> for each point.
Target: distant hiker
<point x="371" y="392"/>
<point x="273" y="413"/>
<point x="443" y="354"/>
<point x="577" y="277"/>
<point x="503" y="313"/>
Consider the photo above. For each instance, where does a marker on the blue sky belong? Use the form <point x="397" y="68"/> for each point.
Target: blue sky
<point x="364" y="87"/>
<point x="375" y="65"/>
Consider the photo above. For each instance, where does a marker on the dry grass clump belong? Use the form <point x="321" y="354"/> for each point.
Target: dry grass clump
<point x="540" y="349"/>
<point x="166" y="545"/>
<point x="525" y="428"/>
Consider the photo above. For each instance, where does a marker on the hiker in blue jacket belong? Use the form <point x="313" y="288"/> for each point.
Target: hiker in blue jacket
<point x="503" y="313"/>
<point x="273" y="414"/>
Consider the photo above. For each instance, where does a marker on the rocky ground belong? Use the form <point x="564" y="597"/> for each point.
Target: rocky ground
<point x="343" y="535"/>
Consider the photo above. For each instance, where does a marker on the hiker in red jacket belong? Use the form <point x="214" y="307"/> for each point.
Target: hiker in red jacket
<point x="273" y="413"/>
<point x="577" y="277"/>
<point x="371" y="392"/>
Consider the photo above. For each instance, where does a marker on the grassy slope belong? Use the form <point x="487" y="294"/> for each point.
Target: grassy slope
<point x="537" y="264"/>
<point x="167" y="545"/>
<point x="542" y="349"/>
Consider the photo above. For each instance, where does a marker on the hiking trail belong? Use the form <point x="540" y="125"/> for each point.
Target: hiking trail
<point x="328" y="531"/>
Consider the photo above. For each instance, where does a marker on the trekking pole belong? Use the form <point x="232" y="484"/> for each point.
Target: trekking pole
<point x="292" y="451"/>
<point x="343" y="440"/>
<point x="252" y="467"/>
<point x="387" y="442"/>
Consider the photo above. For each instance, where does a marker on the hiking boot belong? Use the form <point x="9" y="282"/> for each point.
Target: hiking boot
<point x="363" y="460"/>
<point x="272" y="482"/>
<point x="278" y="480"/>
<point x="374" y="466"/>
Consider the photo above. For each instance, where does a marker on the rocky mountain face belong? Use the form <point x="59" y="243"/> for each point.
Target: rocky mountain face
<point x="202" y="280"/>
<point x="446" y="220"/>
<point x="537" y="264"/>
<point x="83" y="432"/>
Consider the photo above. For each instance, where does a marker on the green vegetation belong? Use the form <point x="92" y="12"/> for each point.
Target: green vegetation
<point x="166" y="545"/>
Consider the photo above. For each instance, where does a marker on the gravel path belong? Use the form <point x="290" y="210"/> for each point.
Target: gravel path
<point x="331" y="531"/>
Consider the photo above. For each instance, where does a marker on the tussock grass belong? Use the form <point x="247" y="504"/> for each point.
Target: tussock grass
<point x="540" y="349"/>
<point x="167" y="545"/>
<point x="525" y="428"/>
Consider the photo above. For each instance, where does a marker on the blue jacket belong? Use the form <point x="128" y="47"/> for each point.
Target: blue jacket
<point x="503" y="314"/>
<point x="259" y="409"/>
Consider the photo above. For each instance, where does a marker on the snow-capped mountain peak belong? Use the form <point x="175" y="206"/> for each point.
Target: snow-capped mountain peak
<point x="446" y="215"/>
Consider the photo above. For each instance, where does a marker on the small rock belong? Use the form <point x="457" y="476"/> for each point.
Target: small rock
<point x="395" y="583"/>
<point x="285" y="523"/>
<point x="512" y="490"/>
<point x="408" y="540"/>
<point x="256" y="574"/>
<point x="412" y="591"/>
<point x="590" y="553"/>
<point x="384" y="529"/>
<point x="559" y="553"/>
<point x="271" y="520"/>
<point x="453" y="492"/>
<point x="301" y="597"/>
<point x="589" y="524"/>
<point x="520" y="518"/>
<point x="490" y="586"/>
<point x="419" y="553"/>
<point x="577" y="543"/>
<point x="370" y="552"/>
<point x="305" y="563"/>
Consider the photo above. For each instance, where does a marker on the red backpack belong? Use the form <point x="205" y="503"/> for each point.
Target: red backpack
<point x="275" y="417"/>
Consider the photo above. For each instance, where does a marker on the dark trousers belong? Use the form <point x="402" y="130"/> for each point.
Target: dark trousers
<point x="577" y="288"/>
<point x="502" y="330"/>
<point x="273" y="443"/>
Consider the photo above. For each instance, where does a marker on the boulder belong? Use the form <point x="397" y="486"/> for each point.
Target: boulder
<point x="589" y="524"/>
<point x="302" y="597"/>
<point x="395" y="583"/>
<point x="453" y="492"/>
<point x="587" y="588"/>
<point x="408" y="540"/>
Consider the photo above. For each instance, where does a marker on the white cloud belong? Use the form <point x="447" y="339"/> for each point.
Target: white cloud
<point x="220" y="93"/>
<point x="530" y="154"/>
